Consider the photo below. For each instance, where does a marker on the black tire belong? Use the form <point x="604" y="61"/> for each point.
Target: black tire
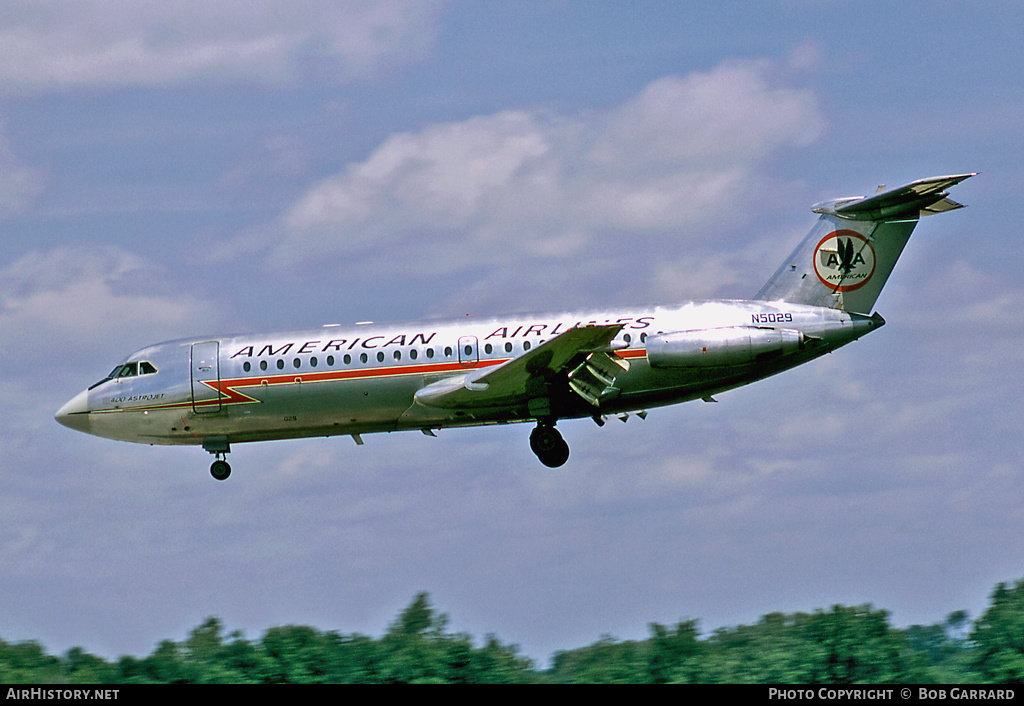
<point x="220" y="470"/>
<point x="556" y="457"/>
<point x="544" y="439"/>
<point x="549" y="446"/>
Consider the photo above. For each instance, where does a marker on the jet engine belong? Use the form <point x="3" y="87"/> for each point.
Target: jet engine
<point x="731" y="345"/>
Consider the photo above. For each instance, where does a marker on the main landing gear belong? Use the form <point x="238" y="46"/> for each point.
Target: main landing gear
<point x="548" y="444"/>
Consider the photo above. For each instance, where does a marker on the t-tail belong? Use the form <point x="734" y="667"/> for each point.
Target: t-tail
<point x="845" y="260"/>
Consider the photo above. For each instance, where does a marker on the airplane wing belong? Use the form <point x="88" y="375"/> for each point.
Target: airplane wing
<point x="526" y="376"/>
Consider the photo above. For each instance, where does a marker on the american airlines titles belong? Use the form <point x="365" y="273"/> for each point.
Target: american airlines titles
<point x="381" y="341"/>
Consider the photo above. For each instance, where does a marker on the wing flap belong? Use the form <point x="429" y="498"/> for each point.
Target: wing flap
<point x="594" y="378"/>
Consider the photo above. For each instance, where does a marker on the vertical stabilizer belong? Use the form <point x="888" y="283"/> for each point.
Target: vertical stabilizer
<point x="845" y="260"/>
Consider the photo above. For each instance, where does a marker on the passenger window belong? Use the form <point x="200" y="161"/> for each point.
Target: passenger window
<point x="280" y="364"/>
<point x="297" y="363"/>
<point x="246" y="366"/>
<point x="263" y="365"/>
<point x="488" y="348"/>
<point x="380" y="357"/>
<point x="312" y="362"/>
<point x="508" y="347"/>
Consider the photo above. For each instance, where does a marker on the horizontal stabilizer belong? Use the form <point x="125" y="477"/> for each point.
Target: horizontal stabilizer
<point x="923" y="197"/>
<point x="845" y="260"/>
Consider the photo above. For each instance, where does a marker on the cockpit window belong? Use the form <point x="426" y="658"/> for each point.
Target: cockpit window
<point x="128" y="370"/>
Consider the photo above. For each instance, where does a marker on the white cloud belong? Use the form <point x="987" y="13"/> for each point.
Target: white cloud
<point x="730" y="115"/>
<point x="86" y="298"/>
<point x="19" y="183"/>
<point x="686" y="152"/>
<point x="967" y="296"/>
<point x="48" y="44"/>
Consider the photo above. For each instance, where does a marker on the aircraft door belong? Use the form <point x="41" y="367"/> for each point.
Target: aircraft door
<point x="469" y="355"/>
<point x="206" y="369"/>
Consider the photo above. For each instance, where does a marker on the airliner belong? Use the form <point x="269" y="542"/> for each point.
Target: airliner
<point x="540" y="368"/>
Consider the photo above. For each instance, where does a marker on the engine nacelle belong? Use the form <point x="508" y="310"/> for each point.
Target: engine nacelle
<point x="731" y="345"/>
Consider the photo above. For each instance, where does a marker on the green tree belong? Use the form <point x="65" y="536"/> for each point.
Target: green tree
<point x="495" y="663"/>
<point x="773" y="650"/>
<point x="244" y="661"/>
<point x="417" y="618"/>
<point x="163" y="666"/>
<point x="944" y="650"/>
<point x="418" y="649"/>
<point x="297" y="654"/>
<point x="998" y="636"/>
<point x="856" y="644"/>
<point x="671" y="653"/>
<point x="604" y="662"/>
<point x="26" y="663"/>
<point x="84" y="668"/>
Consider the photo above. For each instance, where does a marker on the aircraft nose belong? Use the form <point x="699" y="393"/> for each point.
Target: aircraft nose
<point x="75" y="414"/>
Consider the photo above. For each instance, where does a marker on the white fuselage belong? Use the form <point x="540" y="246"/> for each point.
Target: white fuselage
<point x="365" y="378"/>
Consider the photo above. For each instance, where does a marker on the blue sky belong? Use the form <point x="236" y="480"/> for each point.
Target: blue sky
<point x="184" y="169"/>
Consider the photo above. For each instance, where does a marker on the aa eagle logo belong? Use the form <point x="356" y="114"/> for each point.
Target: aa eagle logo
<point x="844" y="260"/>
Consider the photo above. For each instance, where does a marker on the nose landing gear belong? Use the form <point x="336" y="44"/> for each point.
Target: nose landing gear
<point x="219" y="447"/>
<point x="220" y="469"/>
<point x="548" y="444"/>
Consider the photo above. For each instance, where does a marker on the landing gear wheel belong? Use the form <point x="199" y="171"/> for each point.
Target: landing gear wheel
<point x="550" y="447"/>
<point x="220" y="470"/>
